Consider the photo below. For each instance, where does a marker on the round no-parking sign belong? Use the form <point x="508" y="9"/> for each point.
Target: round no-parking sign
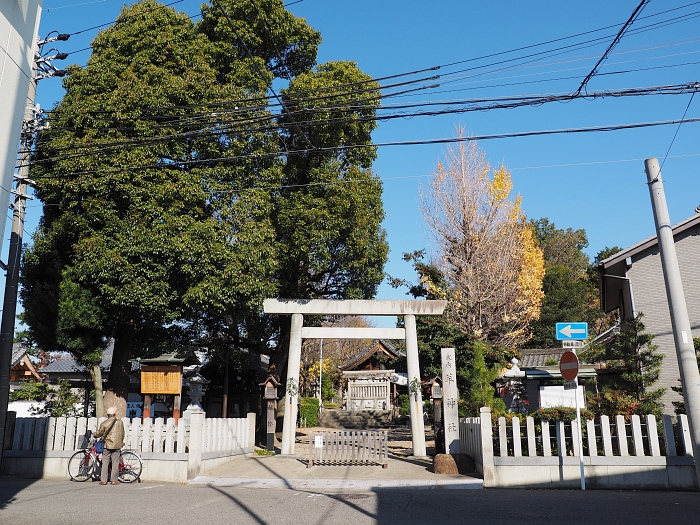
<point x="568" y="366"/>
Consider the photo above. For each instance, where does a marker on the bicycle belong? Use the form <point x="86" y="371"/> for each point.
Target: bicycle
<point x="86" y="464"/>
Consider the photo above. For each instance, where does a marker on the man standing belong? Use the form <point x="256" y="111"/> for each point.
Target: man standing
<point x="112" y="431"/>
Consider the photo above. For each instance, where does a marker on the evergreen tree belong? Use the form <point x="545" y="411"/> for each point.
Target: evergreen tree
<point x="632" y="366"/>
<point x="570" y="283"/>
<point x="679" y="406"/>
<point x="480" y="378"/>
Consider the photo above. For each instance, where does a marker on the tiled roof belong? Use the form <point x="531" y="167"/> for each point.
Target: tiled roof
<point x="174" y="355"/>
<point x="537" y="357"/>
<point x="66" y="363"/>
<point x="364" y="354"/>
<point x="18" y="351"/>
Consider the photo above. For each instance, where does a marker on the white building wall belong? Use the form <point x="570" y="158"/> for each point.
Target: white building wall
<point x="19" y="23"/>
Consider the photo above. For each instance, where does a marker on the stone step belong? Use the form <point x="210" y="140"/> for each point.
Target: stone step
<point x="359" y="419"/>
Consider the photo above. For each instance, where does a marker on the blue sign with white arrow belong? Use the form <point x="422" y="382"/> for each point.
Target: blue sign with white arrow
<point x="572" y="331"/>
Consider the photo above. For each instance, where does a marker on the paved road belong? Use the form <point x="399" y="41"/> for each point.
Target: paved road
<point x="64" y="502"/>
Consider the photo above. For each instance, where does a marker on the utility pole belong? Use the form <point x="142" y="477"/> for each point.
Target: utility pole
<point x="687" y="363"/>
<point x="42" y="69"/>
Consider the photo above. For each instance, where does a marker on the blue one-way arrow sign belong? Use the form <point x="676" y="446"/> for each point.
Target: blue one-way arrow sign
<point x="572" y="331"/>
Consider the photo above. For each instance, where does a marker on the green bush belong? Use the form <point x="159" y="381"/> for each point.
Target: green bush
<point x="404" y="405"/>
<point x="308" y="411"/>
<point x="561" y="413"/>
<point x="30" y="391"/>
<point x="57" y="401"/>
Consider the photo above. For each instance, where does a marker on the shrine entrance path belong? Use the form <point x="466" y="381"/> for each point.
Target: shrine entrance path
<point x="290" y="471"/>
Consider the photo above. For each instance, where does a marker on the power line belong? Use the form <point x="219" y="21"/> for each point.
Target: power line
<point x="121" y="18"/>
<point x="469" y="105"/>
<point x="595" y="163"/>
<point x="179" y="165"/>
<point x="615" y="41"/>
<point x="566" y="48"/>
<point x="678" y="129"/>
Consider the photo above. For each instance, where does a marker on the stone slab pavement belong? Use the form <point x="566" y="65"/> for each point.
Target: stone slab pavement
<point x="290" y="472"/>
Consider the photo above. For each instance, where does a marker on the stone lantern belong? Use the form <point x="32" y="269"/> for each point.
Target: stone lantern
<point x="197" y="385"/>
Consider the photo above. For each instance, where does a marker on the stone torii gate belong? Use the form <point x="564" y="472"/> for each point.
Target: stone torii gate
<point x="297" y="308"/>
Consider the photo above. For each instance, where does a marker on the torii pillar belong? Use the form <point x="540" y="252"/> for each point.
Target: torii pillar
<point x="297" y="308"/>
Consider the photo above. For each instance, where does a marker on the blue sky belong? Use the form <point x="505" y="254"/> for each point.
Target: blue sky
<point x="594" y="181"/>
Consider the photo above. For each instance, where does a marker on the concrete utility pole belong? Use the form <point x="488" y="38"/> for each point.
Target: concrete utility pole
<point x="9" y="311"/>
<point x="42" y="68"/>
<point x="687" y="362"/>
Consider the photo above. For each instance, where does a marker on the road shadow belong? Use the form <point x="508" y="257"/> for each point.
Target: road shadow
<point x="10" y="486"/>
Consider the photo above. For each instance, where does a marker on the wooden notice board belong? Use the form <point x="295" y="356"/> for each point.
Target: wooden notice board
<point x="161" y="379"/>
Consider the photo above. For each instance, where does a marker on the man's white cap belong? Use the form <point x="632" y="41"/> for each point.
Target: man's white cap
<point x="111" y="411"/>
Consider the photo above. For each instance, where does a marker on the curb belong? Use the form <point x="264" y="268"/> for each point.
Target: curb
<point x="338" y="484"/>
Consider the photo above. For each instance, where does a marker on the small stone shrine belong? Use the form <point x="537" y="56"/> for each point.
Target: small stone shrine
<point x="368" y="389"/>
<point x="369" y="385"/>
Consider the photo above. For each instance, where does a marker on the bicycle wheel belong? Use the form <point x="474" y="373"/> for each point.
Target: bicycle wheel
<point x="130" y="467"/>
<point x="81" y="466"/>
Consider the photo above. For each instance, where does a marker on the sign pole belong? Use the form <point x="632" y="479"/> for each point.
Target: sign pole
<point x="569" y="366"/>
<point x="580" y="438"/>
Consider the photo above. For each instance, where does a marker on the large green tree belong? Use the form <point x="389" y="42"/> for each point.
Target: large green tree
<point x="570" y="291"/>
<point x="329" y="210"/>
<point x="173" y="200"/>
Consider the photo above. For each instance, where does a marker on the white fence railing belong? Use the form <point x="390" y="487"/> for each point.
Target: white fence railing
<point x="41" y="447"/>
<point x="602" y="437"/>
<point x="639" y="452"/>
<point x="159" y="436"/>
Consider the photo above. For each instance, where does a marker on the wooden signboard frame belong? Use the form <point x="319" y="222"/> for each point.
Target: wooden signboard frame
<point x="161" y="380"/>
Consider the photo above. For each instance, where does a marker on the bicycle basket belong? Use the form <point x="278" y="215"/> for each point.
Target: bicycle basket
<point x="99" y="446"/>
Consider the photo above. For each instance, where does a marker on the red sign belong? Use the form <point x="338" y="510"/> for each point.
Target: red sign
<point x="568" y="366"/>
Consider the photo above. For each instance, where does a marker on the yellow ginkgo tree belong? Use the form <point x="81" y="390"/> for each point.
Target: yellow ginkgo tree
<point x="487" y="249"/>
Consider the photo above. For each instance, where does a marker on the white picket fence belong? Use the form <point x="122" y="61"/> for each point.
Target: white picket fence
<point x="604" y="437"/>
<point x="41" y="447"/>
<point x="616" y="452"/>
<point x="159" y="436"/>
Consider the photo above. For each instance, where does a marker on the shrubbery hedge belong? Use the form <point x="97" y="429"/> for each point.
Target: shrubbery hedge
<point x="308" y="411"/>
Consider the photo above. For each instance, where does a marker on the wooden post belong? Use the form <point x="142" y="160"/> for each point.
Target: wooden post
<point x="224" y="397"/>
<point x="176" y="408"/>
<point x="146" y="407"/>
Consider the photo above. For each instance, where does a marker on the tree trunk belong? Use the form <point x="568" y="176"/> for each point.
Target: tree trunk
<point x="96" y="375"/>
<point x="119" y="374"/>
<point x="278" y="360"/>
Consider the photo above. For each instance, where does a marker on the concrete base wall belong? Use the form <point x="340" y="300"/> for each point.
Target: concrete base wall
<point x="156" y="467"/>
<point x="211" y="460"/>
<point x="36" y="464"/>
<point x="647" y="473"/>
